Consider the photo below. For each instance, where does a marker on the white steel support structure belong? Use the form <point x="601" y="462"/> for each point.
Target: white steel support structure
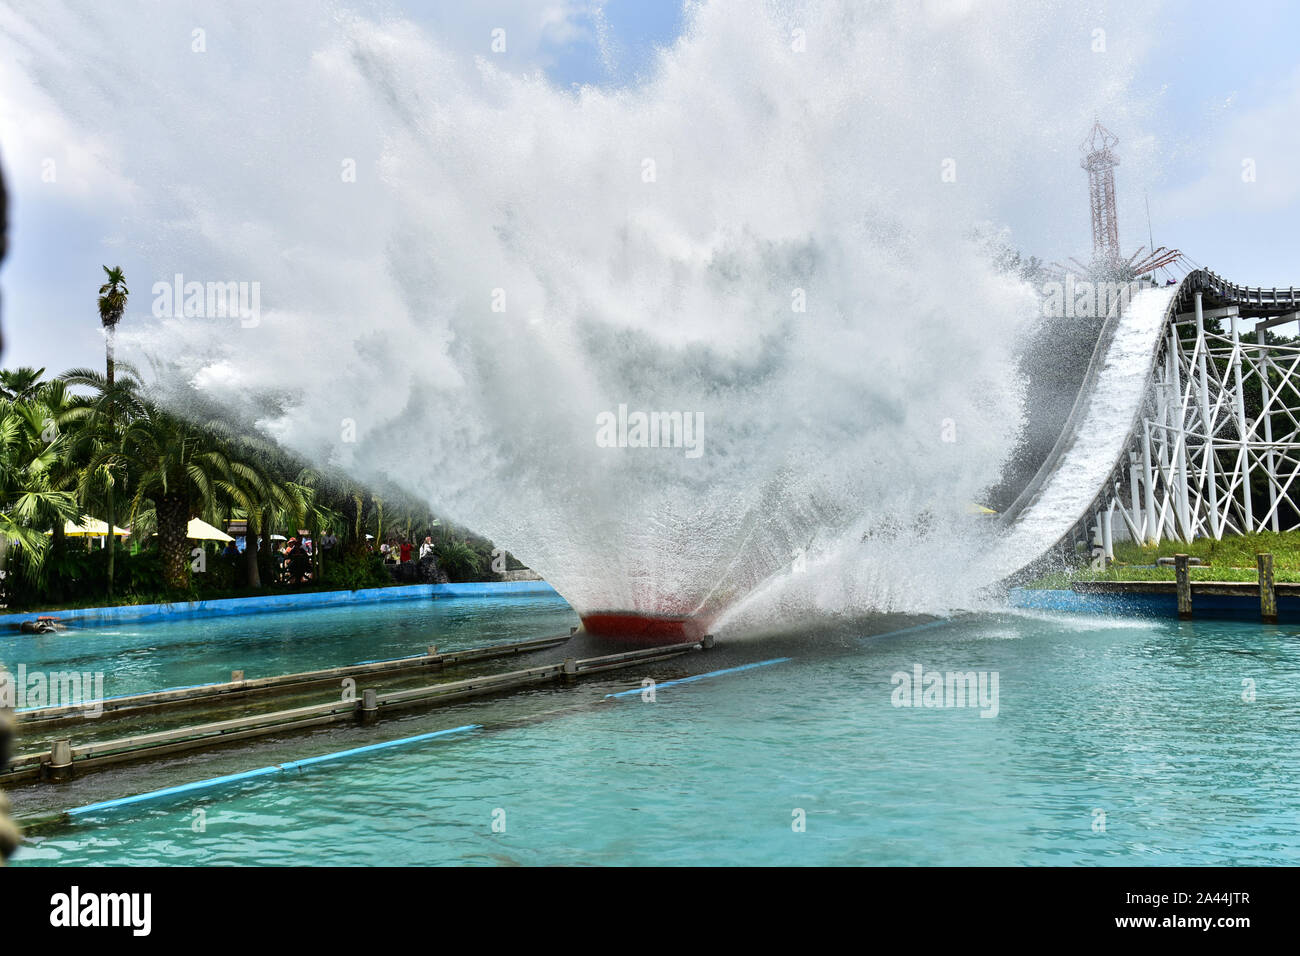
<point x="1214" y="445"/>
<point x="1205" y="439"/>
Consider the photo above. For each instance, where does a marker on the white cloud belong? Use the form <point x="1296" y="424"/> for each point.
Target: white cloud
<point x="1251" y="164"/>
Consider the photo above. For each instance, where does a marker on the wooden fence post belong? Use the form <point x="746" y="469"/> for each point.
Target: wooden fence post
<point x="1267" y="589"/>
<point x="1184" y="586"/>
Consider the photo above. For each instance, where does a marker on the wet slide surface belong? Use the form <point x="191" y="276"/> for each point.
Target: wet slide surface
<point x="1094" y="438"/>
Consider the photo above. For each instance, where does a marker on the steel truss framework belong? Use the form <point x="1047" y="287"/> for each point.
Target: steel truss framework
<point x="1203" y="447"/>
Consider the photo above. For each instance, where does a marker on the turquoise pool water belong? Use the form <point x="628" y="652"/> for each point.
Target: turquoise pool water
<point x="1142" y="721"/>
<point x="142" y="657"/>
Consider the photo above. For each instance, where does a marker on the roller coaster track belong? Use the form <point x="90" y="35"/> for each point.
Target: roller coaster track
<point x="1180" y="429"/>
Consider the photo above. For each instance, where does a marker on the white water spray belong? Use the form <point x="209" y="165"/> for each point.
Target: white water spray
<point x="462" y="269"/>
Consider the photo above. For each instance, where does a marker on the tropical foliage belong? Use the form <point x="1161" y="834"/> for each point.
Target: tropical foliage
<point x="76" y="445"/>
<point x="90" y="445"/>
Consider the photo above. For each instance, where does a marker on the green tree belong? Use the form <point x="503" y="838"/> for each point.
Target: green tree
<point x="96" y="423"/>
<point x="53" y="413"/>
<point x="112" y="305"/>
<point x="29" y="501"/>
<point x="20" y="384"/>
<point x="184" y="470"/>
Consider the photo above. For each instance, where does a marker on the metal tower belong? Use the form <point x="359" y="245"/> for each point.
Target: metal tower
<point x="1099" y="160"/>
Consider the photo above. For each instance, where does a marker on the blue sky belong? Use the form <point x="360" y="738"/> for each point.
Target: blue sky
<point x="1223" y="79"/>
<point x="1214" y="89"/>
<point x="634" y="30"/>
<point x="49" y="280"/>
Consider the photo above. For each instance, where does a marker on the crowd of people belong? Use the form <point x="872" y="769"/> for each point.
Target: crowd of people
<point x="293" y="557"/>
<point x="399" y="550"/>
<point x="397" y="553"/>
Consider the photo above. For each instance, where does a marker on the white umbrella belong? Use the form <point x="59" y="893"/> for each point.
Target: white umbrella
<point x="200" y="530"/>
<point x="90" y="527"/>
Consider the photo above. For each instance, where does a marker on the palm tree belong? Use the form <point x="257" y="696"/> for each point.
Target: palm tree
<point x="319" y="514"/>
<point x="29" y="503"/>
<point x="258" y="493"/>
<point x="185" y="470"/>
<point x="20" y="384"/>
<point x="379" y="519"/>
<point x="309" y="508"/>
<point x="112" y="304"/>
<point x="457" y="559"/>
<point x="52" y="415"/>
<point x="97" y="432"/>
<point x="258" y="489"/>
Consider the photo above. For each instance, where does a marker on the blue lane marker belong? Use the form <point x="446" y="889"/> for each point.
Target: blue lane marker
<point x="263" y="771"/>
<point x="170" y="791"/>
<point x="688" y="680"/>
<point x="371" y="748"/>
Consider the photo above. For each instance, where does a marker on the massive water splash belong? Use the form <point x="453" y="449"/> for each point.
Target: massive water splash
<point x="464" y="271"/>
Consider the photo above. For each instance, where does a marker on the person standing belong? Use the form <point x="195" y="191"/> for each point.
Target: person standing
<point x="428" y="562"/>
<point x="405" y="551"/>
<point x="298" y="561"/>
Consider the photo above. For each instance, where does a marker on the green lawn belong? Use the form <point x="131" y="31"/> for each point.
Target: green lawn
<point x="1232" y="559"/>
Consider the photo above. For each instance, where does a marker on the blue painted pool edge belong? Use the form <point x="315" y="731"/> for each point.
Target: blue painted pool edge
<point x="292" y="765"/>
<point x="1216" y="606"/>
<point x="139" y="613"/>
<point x="1061" y="599"/>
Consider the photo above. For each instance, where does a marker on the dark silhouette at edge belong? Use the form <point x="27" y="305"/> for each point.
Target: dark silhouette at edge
<point x="8" y="831"/>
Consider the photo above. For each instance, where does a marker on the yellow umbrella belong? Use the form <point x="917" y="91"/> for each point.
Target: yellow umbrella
<point x="92" y="528"/>
<point x="202" y="531"/>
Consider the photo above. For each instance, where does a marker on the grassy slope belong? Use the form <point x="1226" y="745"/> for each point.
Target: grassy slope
<point x="1232" y="559"/>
